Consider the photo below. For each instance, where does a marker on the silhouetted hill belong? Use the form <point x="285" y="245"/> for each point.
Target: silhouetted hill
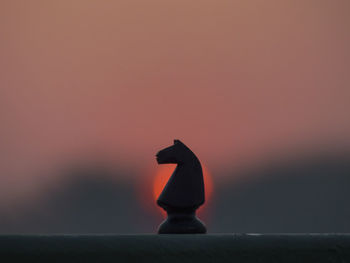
<point x="305" y="196"/>
<point x="311" y="195"/>
<point x="90" y="201"/>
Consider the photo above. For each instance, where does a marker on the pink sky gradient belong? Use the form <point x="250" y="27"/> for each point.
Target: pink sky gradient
<point x="235" y="80"/>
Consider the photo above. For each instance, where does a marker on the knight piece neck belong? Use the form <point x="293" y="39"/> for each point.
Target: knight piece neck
<point x="191" y="163"/>
<point x="185" y="188"/>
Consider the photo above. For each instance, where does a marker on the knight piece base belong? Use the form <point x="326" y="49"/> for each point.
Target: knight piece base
<point x="182" y="223"/>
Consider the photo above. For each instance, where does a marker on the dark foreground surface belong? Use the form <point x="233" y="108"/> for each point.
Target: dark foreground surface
<point x="176" y="248"/>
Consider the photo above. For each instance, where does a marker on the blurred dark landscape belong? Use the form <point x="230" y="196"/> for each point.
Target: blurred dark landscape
<point x="309" y="195"/>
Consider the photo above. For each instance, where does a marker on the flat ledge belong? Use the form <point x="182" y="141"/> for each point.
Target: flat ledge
<point x="177" y="248"/>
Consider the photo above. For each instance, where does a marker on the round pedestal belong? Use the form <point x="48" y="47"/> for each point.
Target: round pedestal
<point x="182" y="223"/>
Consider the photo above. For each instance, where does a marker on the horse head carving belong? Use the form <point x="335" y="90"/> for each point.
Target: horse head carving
<point x="184" y="191"/>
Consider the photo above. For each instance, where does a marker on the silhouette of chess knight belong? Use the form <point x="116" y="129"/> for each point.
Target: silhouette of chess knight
<point x="183" y="193"/>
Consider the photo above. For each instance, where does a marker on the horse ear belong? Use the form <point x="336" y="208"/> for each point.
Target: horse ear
<point x="176" y="141"/>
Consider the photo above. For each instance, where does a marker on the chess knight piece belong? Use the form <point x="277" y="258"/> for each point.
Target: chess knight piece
<point x="183" y="193"/>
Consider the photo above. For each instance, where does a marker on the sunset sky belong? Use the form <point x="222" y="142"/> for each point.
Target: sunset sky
<point x="237" y="81"/>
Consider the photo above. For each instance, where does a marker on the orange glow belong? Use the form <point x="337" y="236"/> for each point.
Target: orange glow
<point x="163" y="174"/>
